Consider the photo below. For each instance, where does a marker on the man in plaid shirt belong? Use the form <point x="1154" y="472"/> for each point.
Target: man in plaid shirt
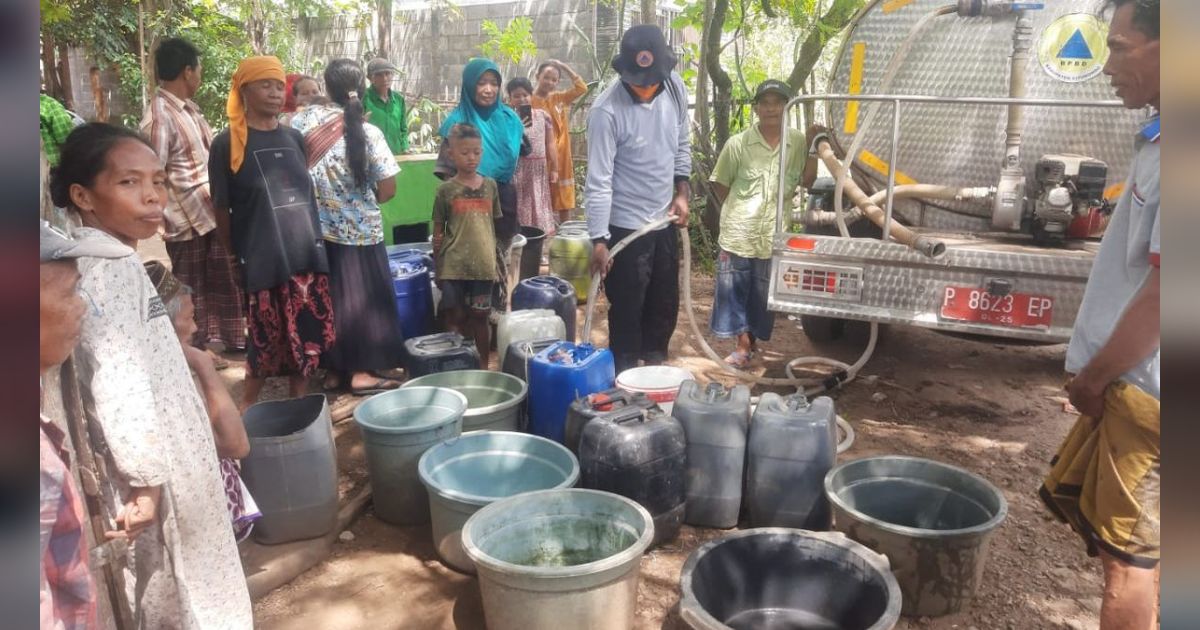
<point x="181" y="137"/>
<point x="55" y="123"/>
<point x="67" y="597"/>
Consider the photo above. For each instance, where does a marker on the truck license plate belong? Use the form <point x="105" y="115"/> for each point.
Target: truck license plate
<point x="1019" y="310"/>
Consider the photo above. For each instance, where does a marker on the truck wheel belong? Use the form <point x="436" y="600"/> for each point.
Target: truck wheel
<point x="822" y="329"/>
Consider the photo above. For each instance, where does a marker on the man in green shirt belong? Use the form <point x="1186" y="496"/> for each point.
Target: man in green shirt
<point x="746" y="181"/>
<point x="385" y="106"/>
<point x="55" y="123"/>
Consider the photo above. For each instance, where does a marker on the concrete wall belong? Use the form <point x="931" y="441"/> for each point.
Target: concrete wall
<point x="431" y="46"/>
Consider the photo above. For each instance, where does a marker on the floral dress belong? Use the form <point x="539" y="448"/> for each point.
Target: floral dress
<point x="532" y="178"/>
<point x="153" y="430"/>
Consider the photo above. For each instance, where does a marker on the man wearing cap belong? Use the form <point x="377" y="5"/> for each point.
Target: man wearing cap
<point x="746" y="182"/>
<point x="67" y="596"/>
<point x="385" y="106"/>
<point x="639" y="161"/>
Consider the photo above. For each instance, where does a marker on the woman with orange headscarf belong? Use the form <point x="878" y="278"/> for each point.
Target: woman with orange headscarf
<point x="267" y="216"/>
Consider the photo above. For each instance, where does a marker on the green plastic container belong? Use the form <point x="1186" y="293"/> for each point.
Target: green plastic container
<point x="570" y="259"/>
<point x="494" y="399"/>
<point x="397" y="428"/>
<point x="416" y="187"/>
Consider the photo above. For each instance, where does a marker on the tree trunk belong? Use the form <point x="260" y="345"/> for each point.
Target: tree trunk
<point x="385" y="28"/>
<point x="98" y="97"/>
<point x="63" y="73"/>
<point x="834" y="20"/>
<point x="702" y="109"/>
<point x="50" y="67"/>
<point x="256" y="27"/>
<point x="141" y="44"/>
<point x="649" y="12"/>
<point x="722" y="85"/>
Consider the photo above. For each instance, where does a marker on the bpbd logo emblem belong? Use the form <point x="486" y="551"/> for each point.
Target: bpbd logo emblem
<point x="1073" y="48"/>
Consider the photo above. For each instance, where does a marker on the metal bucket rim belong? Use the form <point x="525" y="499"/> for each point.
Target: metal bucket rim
<point x="449" y="419"/>
<point x="472" y="412"/>
<point x="628" y="554"/>
<point x="918" y="532"/>
<point x="877" y="561"/>
<point x="426" y="475"/>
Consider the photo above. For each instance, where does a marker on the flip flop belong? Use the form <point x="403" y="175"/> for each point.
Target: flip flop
<point x="378" y="387"/>
<point x="740" y="360"/>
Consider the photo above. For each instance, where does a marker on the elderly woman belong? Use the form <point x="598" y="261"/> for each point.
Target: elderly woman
<point x="229" y="434"/>
<point x="267" y="216"/>
<point x="504" y="142"/>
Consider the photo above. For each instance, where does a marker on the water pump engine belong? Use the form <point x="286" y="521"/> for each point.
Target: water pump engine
<point x="1069" y="201"/>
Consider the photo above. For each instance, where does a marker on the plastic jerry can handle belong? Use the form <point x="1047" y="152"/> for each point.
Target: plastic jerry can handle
<point x="440" y="342"/>
<point x="627" y="414"/>
<point x="608" y="400"/>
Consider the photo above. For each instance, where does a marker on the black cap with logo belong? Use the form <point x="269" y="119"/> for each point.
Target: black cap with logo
<point x="645" y="58"/>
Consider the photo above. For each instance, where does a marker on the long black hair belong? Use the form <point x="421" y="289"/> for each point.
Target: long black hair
<point x="346" y="84"/>
<point x="83" y="156"/>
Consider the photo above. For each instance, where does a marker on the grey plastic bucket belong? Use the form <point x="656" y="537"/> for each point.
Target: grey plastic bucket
<point x="475" y="469"/>
<point x="291" y="470"/>
<point x="495" y="400"/>
<point x="556" y="559"/>
<point x="776" y="577"/>
<point x="397" y="428"/>
<point x="933" y="521"/>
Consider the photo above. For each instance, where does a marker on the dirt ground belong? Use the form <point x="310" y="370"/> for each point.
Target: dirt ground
<point x="994" y="408"/>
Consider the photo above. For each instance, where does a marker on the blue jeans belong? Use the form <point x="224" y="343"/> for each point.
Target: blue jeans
<point x="740" y="304"/>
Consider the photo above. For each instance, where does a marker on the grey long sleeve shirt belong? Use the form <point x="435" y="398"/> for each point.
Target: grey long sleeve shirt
<point x="635" y="153"/>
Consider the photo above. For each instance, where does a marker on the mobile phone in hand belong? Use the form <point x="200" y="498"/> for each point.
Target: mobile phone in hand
<point x="526" y="114"/>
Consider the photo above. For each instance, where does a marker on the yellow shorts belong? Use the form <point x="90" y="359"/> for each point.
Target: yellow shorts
<point x="1104" y="481"/>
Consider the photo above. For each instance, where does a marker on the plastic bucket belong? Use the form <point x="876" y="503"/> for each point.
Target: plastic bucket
<point x="933" y="521"/>
<point x="660" y="383"/>
<point x="531" y="255"/>
<point x="776" y="577"/>
<point x="557" y="559"/>
<point x="466" y="473"/>
<point x="397" y="428"/>
<point x="291" y="470"/>
<point x="494" y="399"/>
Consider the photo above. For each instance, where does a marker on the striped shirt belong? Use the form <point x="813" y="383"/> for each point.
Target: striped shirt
<point x="67" y="596"/>
<point x="181" y="137"/>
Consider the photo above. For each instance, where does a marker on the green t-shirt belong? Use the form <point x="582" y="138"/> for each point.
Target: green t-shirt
<point x="469" y="235"/>
<point x="749" y="167"/>
<point x="391" y="117"/>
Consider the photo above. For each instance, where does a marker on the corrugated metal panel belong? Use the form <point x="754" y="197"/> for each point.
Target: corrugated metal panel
<point x="964" y="146"/>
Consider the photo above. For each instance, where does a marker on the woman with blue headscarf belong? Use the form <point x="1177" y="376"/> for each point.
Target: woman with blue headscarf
<point x="503" y="143"/>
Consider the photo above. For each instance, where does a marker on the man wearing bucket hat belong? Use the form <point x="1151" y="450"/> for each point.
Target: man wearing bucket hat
<point x="746" y="181"/>
<point x="639" y="161"/>
<point x="1104" y="480"/>
<point x="385" y="107"/>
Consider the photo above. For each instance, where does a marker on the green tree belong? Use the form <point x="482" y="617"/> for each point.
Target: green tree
<point x="512" y="43"/>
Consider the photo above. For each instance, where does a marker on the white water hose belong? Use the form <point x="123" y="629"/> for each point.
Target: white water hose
<point x="807" y="386"/>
